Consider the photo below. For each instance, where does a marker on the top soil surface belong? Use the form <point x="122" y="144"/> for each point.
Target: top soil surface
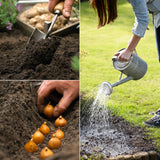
<point x="46" y="59"/>
<point x="19" y="119"/>
<point x="118" y="138"/>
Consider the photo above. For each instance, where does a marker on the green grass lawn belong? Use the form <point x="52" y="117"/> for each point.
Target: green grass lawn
<point x="132" y="100"/>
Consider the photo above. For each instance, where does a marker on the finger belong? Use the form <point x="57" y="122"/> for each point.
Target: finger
<point x="62" y="106"/>
<point x="52" y="4"/>
<point x="116" y="54"/>
<point x="122" y="59"/>
<point x="67" y="8"/>
<point x="43" y="92"/>
<point x="40" y="108"/>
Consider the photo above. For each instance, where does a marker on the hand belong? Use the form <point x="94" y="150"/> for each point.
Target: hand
<point x="66" y="9"/>
<point x="124" y="55"/>
<point x="69" y="90"/>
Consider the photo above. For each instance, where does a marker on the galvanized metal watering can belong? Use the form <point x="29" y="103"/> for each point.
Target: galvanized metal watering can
<point x="134" y="69"/>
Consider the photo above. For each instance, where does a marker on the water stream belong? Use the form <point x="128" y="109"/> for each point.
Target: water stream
<point x="98" y="134"/>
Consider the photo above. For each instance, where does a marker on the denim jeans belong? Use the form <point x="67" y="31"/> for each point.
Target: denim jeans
<point x="157" y="36"/>
<point x="154" y="8"/>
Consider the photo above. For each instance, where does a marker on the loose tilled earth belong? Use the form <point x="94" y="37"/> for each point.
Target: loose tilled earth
<point x="46" y="59"/>
<point x="19" y="119"/>
<point x="117" y="137"/>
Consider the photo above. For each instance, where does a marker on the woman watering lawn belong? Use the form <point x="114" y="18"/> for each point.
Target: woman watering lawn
<point x="107" y="13"/>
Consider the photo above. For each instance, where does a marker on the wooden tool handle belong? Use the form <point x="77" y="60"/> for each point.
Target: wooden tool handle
<point x="59" y="6"/>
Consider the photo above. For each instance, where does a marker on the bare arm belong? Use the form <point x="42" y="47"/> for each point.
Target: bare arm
<point x="140" y="26"/>
<point x="125" y="55"/>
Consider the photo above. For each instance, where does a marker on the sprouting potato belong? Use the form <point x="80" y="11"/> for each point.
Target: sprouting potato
<point x="38" y="18"/>
<point x="40" y="10"/>
<point x="61" y="26"/>
<point x="37" y="5"/>
<point x="45" y="5"/>
<point x="45" y="17"/>
<point x="66" y="25"/>
<point x="39" y="26"/>
<point x="38" y="14"/>
<point x="46" y="9"/>
<point x="63" y="20"/>
<point x="52" y="15"/>
<point x="55" y="27"/>
<point x="73" y="19"/>
<point x="31" y="13"/>
<point x="32" y="21"/>
<point x="23" y="18"/>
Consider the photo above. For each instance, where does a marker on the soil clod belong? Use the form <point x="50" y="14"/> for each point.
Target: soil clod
<point x="46" y="59"/>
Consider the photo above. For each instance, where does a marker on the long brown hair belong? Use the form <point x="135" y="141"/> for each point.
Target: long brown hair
<point x="106" y="9"/>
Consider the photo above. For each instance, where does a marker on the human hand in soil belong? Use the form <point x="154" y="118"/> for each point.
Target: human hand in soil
<point x="66" y="9"/>
<point x="68" y="89"/>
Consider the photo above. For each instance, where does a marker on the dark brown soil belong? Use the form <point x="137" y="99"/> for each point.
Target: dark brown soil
<point x="113" y="137"/>
<point x="46" y="59"/>
<point x="19" y="119"/>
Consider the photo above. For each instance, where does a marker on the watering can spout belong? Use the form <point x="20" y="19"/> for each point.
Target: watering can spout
<point x="122" y="81"/>
<point x="109" y="87"/>
<point x="134" y="69"/>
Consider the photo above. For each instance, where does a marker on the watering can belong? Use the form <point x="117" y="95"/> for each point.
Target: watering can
<point x="134" y="69"/>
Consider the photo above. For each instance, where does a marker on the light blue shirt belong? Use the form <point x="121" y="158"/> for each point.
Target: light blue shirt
<point x="141" y="17"/>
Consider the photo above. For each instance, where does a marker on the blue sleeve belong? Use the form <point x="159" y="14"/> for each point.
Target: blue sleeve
<point x="141" y="17"/>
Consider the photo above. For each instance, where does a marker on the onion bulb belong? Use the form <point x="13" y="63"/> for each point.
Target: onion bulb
<point x="38" y="137"/>
<point x="48" y="110"/>
<point x="45" y="152"/>
<point x="31" y="146"/>
<point x="59" y="133"/>
<point x="60" y="122"/>
<point x="54" y="142"/>
<point x="44" y="128"/>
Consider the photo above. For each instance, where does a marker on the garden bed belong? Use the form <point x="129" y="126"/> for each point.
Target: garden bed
<point x="19" y="119"/>
<point x="46" y="59"/>
<point x="106" y="135"/>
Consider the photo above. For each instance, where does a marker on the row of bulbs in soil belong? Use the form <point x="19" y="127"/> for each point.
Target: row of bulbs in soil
<point x="38" y="136"/>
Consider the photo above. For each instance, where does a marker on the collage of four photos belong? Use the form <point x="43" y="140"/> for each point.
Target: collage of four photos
<point x="79" y="79"/>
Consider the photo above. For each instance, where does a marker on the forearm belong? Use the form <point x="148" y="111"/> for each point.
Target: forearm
<point x="125" y="54"/>
<point x="133" y="43"/>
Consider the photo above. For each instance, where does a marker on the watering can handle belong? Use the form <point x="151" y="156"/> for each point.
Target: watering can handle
<point x="115" y="58"/>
